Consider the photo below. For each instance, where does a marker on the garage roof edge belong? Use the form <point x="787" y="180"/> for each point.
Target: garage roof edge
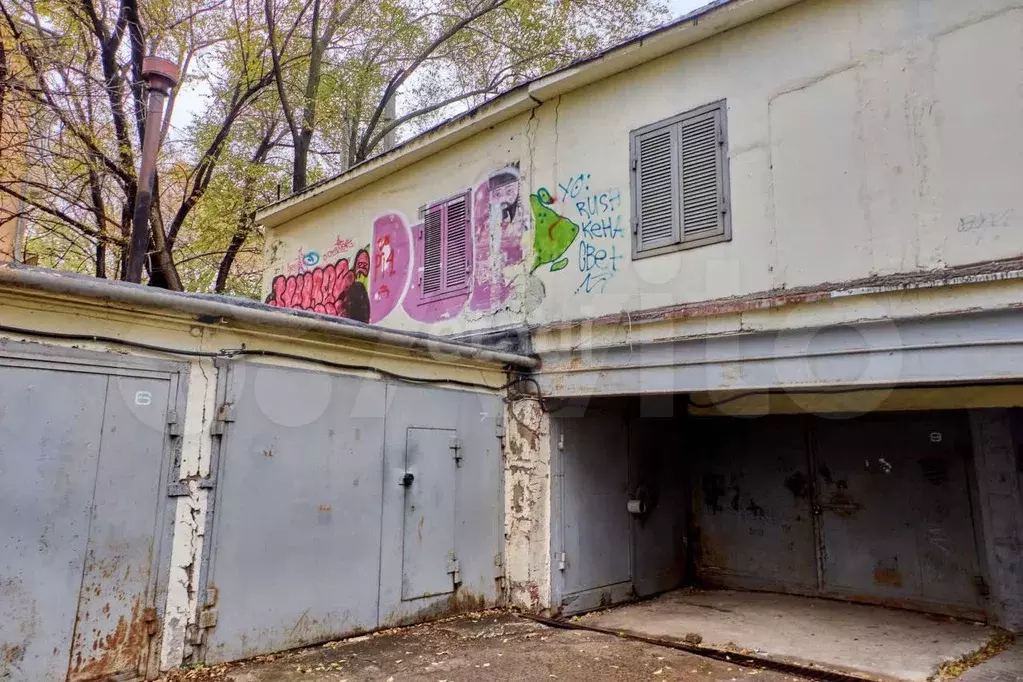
<point x="248" y="312"/>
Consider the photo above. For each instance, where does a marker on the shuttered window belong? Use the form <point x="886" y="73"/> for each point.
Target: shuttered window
<point x="680" y="182"/>
<point x="445" y="249"/>
<point x="433" y="251"/>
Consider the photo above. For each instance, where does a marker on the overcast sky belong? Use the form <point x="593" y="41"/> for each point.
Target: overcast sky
<point x="680" y="7"/>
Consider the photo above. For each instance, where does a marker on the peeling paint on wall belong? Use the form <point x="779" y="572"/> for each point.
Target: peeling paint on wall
<point x="498" y="226"/>
<point x="189" y="516"/>
<point x="528" y="505"/>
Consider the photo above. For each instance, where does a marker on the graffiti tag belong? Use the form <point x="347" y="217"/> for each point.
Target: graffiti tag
<point x="371" y="283"/>
<point x="602" y="225"/>
<point x="334" y="289"/>
<point x="310" y="259"/>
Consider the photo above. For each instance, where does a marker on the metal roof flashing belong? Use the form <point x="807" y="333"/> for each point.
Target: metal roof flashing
<point x="717" y="17"/>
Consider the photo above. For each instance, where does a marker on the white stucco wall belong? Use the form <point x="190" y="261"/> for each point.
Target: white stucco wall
<point x="866" y="139"/>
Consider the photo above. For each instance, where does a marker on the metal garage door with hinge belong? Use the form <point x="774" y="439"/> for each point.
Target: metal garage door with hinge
<point x="83" y="461"/>
<point x="295" y="547"/>
<point x="343" y="504"/>
<point x="428" y="539"/>
<point x="595" y="562"/>
<point x="874" y="508"/>
<point x="443" y="533"/>
<point x="618" y="505"/>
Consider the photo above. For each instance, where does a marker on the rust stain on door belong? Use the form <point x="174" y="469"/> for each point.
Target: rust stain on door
<point x="117" y="651"/>
<point x="888" y="575"/>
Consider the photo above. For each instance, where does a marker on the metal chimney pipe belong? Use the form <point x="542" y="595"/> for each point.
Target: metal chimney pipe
<point x="160" y="76"/>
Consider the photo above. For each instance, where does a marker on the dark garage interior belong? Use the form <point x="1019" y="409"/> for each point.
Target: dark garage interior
<point x="878" y="508"/>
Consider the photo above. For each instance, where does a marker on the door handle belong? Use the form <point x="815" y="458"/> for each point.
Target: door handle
<point x="407" y="480"/>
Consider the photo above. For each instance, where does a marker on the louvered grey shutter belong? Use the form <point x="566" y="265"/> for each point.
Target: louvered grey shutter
<point x="703" y="200"/>
<point x="432" y="250"/>
<point x="456" y="244"/>
<point x="656" y="188"/>
<point x="680" y="182"/>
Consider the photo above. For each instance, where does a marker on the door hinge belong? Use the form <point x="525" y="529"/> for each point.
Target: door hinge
<point x="498" y="566"/>
<point x="177" y="490"/>
<point x="181" y="489"/>
<point x="174" y="428"/>
<point x="561" y="441"/>
<point x="456" y="576"/>
<point x="208" y="619"/>
<point x="562" y="561"/>
<point x="499" y="425"/>
<point x="149" y="618"/>
<point x="225" y="415"/>
<point x="456" y="447"/>
<point x="208" y="614"/>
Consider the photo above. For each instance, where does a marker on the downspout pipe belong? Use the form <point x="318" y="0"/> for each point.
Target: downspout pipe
<point x="223" y="308"/>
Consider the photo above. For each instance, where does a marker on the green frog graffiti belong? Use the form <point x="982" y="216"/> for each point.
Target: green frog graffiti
<point x="552" y="233"/>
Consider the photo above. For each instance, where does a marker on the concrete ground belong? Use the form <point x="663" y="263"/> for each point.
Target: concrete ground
<point x="1005" y="667"/>
<point x="828" y="634"/>
<point x="489" y="647"/>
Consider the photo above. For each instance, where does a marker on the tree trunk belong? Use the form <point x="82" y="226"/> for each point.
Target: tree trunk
<point x="300" y="171"/>
<point x="241" y="233"/>
<point x="163" y="272"/>
<point x="245" y="219"/>
<point x="101" y="259"/>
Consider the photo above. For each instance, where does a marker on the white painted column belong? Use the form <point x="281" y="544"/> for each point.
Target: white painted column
<point x="527" y="490"/>
<point x="189" y="515"/>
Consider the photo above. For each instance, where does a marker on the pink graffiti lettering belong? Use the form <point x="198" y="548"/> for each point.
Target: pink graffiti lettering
<point x="340" y="246"/>
<point x="371" y="283"/>
<point x="333" y="289"/>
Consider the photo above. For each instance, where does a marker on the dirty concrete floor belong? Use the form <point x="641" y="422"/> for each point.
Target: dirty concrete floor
<point x="1006" y="667"/>
<point x="833" y="634"/>
<point x="490" y="647"/>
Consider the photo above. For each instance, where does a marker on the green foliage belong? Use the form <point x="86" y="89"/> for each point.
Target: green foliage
<point x="277" y="76"/>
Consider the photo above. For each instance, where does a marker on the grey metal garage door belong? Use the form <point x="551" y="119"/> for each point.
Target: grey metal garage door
<point x="346" y="503"/>
<point x="82" y="460"/>
<point x="296" y="541"/>
<point x="755" y="523"/>
<point x="594" y="494"/>
<point x="448" y="440"/>
<point x="428" y="533"/>
<point x="606" y="454"/>
<point x="895" y="518"/>
<point x="874" y="508"/>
